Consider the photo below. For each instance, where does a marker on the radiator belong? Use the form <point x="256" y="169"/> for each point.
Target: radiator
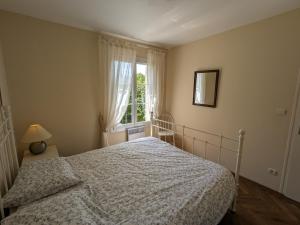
<point x="135" y="132"/>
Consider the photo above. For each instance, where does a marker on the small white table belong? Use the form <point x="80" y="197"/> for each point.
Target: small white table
<point x="51" y="152"/>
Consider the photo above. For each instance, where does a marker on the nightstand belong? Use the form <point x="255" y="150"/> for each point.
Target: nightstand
<point x="51" y="152"/>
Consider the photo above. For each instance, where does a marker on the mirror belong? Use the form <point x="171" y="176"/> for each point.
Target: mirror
<point x="206" y="88"/>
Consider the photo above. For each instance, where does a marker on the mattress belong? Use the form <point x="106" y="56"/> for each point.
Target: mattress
<point x="145" y="181"/>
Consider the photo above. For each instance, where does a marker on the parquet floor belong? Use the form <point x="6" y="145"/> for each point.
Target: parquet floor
<point x="258" y="205"/>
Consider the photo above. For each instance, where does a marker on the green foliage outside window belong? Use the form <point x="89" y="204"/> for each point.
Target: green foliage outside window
<point x="140" y="101"/>
<point x="140" y="97"/>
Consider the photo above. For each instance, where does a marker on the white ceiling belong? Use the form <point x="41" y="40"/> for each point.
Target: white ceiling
<point x="164" y="22"/>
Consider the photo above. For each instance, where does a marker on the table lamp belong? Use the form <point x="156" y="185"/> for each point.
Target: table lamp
<point x="36" y="136"/>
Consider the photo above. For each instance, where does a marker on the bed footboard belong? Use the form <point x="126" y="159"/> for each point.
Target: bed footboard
<point x="209" y="140"/>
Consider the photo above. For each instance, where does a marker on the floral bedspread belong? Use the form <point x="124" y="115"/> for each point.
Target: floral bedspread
<point x="145" y="181"/>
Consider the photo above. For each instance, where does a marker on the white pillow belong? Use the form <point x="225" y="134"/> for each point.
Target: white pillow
<point x="38" y="179"/>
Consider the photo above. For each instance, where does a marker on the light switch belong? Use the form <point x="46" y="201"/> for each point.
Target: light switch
<point x="281" y="112"/>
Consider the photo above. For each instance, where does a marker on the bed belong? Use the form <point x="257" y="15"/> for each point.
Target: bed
<point x="144" y="181"/>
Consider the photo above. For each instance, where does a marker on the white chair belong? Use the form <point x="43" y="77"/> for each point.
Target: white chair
<point x="171" y="129"/>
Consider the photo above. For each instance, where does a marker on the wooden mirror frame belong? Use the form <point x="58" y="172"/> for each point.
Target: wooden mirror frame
<point x="217" y="71"/>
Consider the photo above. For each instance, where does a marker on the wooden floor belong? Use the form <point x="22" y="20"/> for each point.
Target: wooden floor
<point x="258" y="205"/>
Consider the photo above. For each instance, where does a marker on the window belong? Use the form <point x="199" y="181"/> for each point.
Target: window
<point x="136" y="107"/>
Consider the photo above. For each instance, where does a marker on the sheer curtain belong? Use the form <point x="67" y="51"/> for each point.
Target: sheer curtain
<point x="117" y="63"/>
<point x="155" y="82"/>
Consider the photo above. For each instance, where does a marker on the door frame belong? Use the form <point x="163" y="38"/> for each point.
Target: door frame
<point x="285" y="169"/>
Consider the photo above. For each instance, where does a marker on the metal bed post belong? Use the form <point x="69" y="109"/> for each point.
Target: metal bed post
<point x="12" y="139"/>
<point x="9" y="163"/>
<point x="238" y="165"/>
<point x="151" y="124"/>
<point x="220" y="148"/>
<point x="205" y="149"/>
<point x="182" y="142"/>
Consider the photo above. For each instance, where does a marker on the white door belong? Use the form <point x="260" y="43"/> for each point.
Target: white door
<point x="292" y="185"/>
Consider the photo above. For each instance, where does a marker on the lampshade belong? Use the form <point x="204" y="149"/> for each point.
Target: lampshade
<point x="35" y="133"/>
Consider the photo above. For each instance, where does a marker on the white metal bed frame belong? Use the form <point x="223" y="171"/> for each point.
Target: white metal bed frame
<point x="9" y="163"/>
<point x="157" y="124"/>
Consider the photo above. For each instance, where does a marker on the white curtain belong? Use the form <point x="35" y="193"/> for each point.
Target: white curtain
<point x="155" y="82"/>
<point x="118" y="60"/>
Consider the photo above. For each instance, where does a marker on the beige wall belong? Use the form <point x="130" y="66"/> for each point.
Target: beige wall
<point x="259" y="64"/>
<point x="52" y="74"/>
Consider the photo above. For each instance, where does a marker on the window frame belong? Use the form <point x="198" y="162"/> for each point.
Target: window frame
<point x="134" y="122"/>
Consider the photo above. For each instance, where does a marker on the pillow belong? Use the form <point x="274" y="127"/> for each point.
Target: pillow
<point x="38" y="179"/>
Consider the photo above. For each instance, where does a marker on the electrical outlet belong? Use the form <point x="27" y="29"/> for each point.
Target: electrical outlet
<point x="273" y="171"/>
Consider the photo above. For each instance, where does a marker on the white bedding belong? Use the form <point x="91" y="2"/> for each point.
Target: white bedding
<point x="145" y="181"/>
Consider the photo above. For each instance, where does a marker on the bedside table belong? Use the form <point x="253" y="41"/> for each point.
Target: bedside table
<point x="51" y="152"/>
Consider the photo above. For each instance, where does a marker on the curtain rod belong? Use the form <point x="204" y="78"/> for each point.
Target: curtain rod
<point x="138" y="43"/>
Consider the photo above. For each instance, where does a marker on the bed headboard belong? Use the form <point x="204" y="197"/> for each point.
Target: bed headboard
<point x="9" y="164"/>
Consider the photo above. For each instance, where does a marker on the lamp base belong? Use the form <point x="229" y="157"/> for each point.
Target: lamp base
<point x="37" y="147"/>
